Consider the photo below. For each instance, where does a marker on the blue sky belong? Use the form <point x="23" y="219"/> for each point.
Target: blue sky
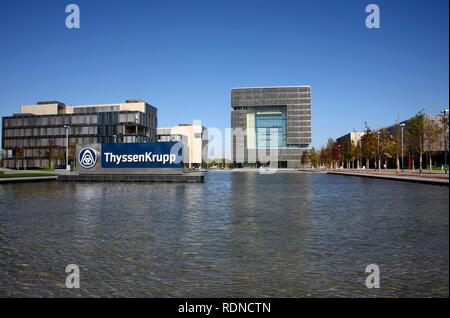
<point x="185" y="56"/>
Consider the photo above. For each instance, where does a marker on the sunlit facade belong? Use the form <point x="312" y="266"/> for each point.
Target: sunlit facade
<point x="195" y="142"/>
<point x="271" y="118"/>
<point x="36" y="137"/>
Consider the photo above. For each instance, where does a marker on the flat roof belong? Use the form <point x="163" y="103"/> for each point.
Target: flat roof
<point x="289" y="86"/>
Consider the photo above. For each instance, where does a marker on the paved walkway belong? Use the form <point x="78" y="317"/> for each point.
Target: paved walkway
<point x="417" y="179"/>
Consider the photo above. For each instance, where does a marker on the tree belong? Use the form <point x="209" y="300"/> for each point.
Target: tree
<point x="397" y="135"/>
<point x="72" y="153"/>
<point x="304" y="160"/>
<point x="326" y="154"/>
<point x="347" y="152"/>
<point x="357" y="154"/>
<point x="416" y="136"/>
<point x="323" y="157"/>
<point x="388" y="145"/>
<point x="52" y="153"/>
<point x="314" y="158"/>
<point x="369" y="145"/>
<point x="18" y="154"/>
<point x="336" y="153"/>
<point x="445" y="143"/>
<point x="2" y="157"/>
<point x="433" y="135"/>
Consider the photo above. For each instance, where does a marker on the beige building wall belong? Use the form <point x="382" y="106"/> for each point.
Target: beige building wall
<point x="54" y="108"/>
<point x="354" y="137"/>
<point x="47" y="109"/>
<point x="195" y="139"/>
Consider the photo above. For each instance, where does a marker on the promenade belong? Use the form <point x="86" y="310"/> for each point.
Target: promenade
<point x="435" y="178"/>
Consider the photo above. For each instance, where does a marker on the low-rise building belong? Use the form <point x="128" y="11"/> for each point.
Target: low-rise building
<point x="195" y="141"/>
<point x="38" y="135"/>
<point x="353" y="137"/>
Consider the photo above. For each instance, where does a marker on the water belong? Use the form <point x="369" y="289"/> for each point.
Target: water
<point x="239" y="234"/>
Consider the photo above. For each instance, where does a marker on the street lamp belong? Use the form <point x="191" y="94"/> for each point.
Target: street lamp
<point x="136" y="119"/>
<point x="402" y="126"/>
<point x="445" y="120"/>
<point x="67" y="147"/>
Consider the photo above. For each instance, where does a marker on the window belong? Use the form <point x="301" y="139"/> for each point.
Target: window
<point x="270" y="121"/>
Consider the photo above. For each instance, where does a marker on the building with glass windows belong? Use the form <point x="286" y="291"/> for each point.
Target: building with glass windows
<point x="270" y="118"/>
<point x="195" y="142"/>
<point x="36" y="137"/>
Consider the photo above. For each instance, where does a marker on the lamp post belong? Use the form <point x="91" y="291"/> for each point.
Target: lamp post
<point x="136" y="117"/>
<point x="67" y="147"/>
<point x="445" y="120"/>
<point x="402" y="126"/>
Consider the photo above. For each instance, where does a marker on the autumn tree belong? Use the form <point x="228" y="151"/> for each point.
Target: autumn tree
<point x="369" y="145"/>
<point x="52" y="153"/>
<point x="432" y="134"/>
<point x="388" y="145"/>
<point x="347" y="152"/>
<point x="415" y="131"/>
<point x="357" y="154"/>
<point x="18" y="155"/>
<point x="336" y="153"/>
<point x="314" y="158"/>
<point x="304" y="160"/>
<point x="325" y="154"/>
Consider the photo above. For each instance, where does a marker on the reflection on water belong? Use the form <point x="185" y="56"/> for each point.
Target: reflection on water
<point x="238" y="234"/>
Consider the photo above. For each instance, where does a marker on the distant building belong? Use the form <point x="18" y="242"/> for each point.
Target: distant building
<point x="437" y="145"/>
<point x="195" y="140"/>
<point x="37" y="135"/>
<point x="353" y="137"/>
<point x="262" y="113"/>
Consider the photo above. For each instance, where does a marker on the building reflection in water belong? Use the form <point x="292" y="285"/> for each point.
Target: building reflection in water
<point x="288" y="234"/>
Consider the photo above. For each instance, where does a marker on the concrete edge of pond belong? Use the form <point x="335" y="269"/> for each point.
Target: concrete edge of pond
<point x="187" y="178"/>
<point x="27" y="179"/>
<point x="423" y="180"/>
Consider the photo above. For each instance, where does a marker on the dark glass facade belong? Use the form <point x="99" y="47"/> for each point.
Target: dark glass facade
<point x="266" y="112"/>
<point x="36" y="141"/>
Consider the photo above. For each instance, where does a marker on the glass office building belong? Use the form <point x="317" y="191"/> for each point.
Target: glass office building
<point x="36" y="137"/>
<point x="271" y="117"/>
<point x="261" y="121"/>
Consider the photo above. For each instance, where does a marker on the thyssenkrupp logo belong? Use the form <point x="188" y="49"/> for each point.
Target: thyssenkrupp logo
<point x="87" y="158"/>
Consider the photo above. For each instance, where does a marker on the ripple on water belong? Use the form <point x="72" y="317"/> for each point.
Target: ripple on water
<point x="238" y="234"/>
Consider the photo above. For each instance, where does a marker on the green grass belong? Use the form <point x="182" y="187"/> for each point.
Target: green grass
<point x="26" y="175"/>
<point x="43" y="170"/>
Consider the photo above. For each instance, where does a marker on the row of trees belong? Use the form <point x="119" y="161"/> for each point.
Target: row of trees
<point x="422" y="135"/>
<point x="2" y="157"/>
<point x="220" y="163"/>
